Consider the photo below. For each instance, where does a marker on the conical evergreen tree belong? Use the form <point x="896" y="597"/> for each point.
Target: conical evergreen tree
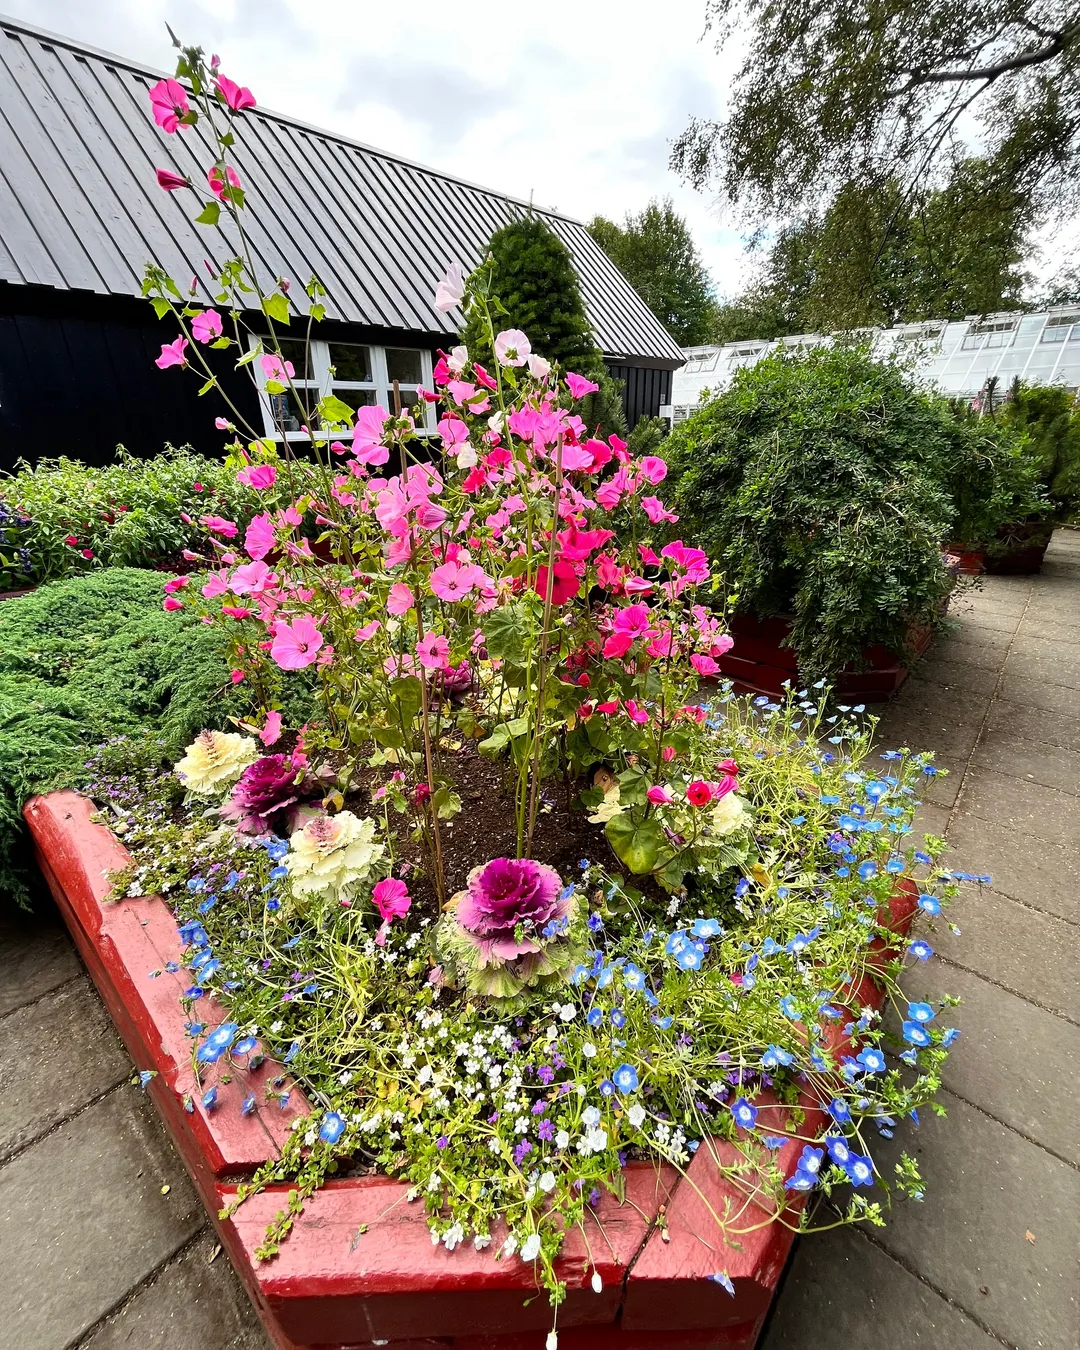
<point x="534" y="280"/>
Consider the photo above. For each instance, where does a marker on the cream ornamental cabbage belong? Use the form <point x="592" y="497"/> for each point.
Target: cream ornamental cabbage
<point x="214" y="760"/>
<point x="331" y="856"/>
<point x="728" y="814"/>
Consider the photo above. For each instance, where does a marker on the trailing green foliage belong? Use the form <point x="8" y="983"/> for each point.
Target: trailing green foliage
<point x="531" y="272"/>
<point x="813" y="480"/>
<point x="59" y="517"/>
<point x="84" y="661"/>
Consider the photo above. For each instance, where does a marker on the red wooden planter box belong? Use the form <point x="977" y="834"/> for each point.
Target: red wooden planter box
<point x="760" y="662"/>
<point x="334" y="1289"/>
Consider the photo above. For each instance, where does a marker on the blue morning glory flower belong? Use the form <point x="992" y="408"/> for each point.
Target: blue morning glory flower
<point x="689" y="958"/>
<point x="721" y="1278"/>
<point x="875" y="790"/>
<point x="332" y="1127"/>
<point x="775" y="1056"/>
<point x="801" y="1181"/>
<point x="950" y="1035"/>
<point x="921" y="949"/>
<point x="618" y="1019"/>
<point x="930" y="903"/>
<point x="245" y="1045"/>
<point x="916" y="1034"/>
<point x="920" y="1012"/>
<point x="706" y="928"/>
<point x="209" y="1098"/>
<point x="248" y="1105"/>
<point x="838" y="1109"/>
<point x="838" y="1149"/>
<point x="790" y="1009"/>
<point x="860" y="1170"/>
<point x="676" y="942"/>
<point x="194" y="992"/>
<point x="633" y="978"/>
<point x="895" y="866"/>
<point x="625" y="1078"/>
<point x="208" y="904"/>
<point x="872" y="1059"/>
<point x="745" y="1114"/>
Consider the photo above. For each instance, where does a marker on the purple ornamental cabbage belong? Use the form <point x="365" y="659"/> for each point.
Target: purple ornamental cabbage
<point x="267" y="796"/>
<point x="505" y="902"/>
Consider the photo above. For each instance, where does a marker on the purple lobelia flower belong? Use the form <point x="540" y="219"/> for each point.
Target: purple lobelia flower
<point x="507" y="903"/>
<point x="268" y="794"/>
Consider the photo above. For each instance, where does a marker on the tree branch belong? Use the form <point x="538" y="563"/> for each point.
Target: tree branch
<point x="992" y="72"/>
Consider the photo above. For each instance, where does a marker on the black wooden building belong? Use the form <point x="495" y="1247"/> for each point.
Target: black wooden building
<point x="81" y="213"/>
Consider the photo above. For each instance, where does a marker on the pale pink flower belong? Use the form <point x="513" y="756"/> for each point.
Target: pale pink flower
<point x="259" y="537"/>
<point x="219" y="525"/>
<point x="172" y="354"/>
<point x="297" y="645"/>
<point x="272" y="730"/>
<point x="432" y="651"/>
<point x="704" y="665"/>
<point x="457" y="360"/>
<point x="217" y="583"/>
<point x="249" y="578"/>
<point x="206" y="326"/>
<point x="274" y="369"/>
<point x="539" y="368"/>
<point x="172" y="182"/>
<point x="454" y="432"/>
<point x="451" y="290"/>
<point x="512" y="347"/>
<point x="400" y="600"/>
<point x="579" y="386"/>
<point x="236" y="97"/>
<point x="223" y="424"/>
<point x="667" y="754"/>
<point x="429" y="516"/>
<point x="368" y="631"/>
<point x="452" y="581"/>
<point x="169" y="101"/>
<point x="258" y="476"/>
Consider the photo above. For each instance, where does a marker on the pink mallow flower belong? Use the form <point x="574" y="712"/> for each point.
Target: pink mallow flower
<point x="451" y="290"/>
<point x="296" y="645"/>
<point x="507" y="904"/>
<point x="258" y="476"/>
<point x="631" y="623"/>
<point x="235" y="96"/>
<point x="454" y="581"/>
<point x="171" y="182"/>
<point x="400" y="599"/>
<point x="579" y="386"/>
<point x="217" y="183"/>
<point x="653" y="469"/>
<point x="206" y="326"/>
<point x="660" y="796"/>
<point x="391" y="898"/>
<point x="655" y="509"/>
<point x="172" y="354"/>
<point x="271" y="731"/>
<point x="275" y="369"/>
<point x="704" y="665"/>
<point x="168" y="98"/>
<point x="259" y="539"/>
<point x="432" y="651"/>
<point x="512" y="347"/>
<point x="219" y="525"/>
<point x="367" y="435"/>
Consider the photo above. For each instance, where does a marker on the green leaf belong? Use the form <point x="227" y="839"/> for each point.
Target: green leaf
<point x="333" y="409"/>
<point x="210" y="384"/>
<point x="637" y="844"/>
<point x="507" y="632"/>
<point x="498" y="740"/>
<point x="209" y="215"/>
<point x="446" y="803"/>
<point x="389" y="736"/>
<point x="633" y="787"/>
<point x="276" y="307"/>
<point x="318" y="312"/>
<point x="161" y="306"/>
<point x="406" y="693"/>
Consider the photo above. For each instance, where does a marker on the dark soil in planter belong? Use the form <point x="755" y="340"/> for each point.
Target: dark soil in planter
<point x="1019" y="549"/>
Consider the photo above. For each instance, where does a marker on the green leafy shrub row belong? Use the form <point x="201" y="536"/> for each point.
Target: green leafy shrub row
<point x="88" y="660"/>
<point x="60" y="517"/>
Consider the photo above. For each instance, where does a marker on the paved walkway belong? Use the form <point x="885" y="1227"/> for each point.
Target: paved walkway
<point x="103" y="1243"/>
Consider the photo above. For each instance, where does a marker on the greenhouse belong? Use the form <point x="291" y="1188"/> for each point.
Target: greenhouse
<point x="956" y="358"/>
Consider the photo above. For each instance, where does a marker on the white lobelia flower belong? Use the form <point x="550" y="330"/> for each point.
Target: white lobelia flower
<point x="562" y="1139"/>
<point x="332" y="855"/>
<point x="546" y="1181"/>
<point x="214" y="760"/>
<point x="636" y="1115"/>
<point x="530" y="1248"/>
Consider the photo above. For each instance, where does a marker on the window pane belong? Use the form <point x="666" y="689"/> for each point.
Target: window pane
<point x="408" y="398"/>
<point x="351" y="363"/>
<point x="355" y="398"/>
<point x="286" y="412"/>
<point x="403" y="366"/>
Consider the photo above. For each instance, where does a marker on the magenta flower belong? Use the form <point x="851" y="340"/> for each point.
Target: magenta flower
<point x="267" y="796"/>
<point x="172" y="354"/>
<point x="169" y="101"/>
<point x="391" y="898"/>
<point x="456" y="679"/>
<point x="653" y="469"/>
<point x="297" y="645"/>
<point x="456" y="581"/>
<point x="579" y="386"/>
<point x="206" y="326"/>
<point x="258" y="476"/>
<point x="367" y="434"/>
<point x="432" y="651"/>
<point x="172" y="182"/>
<point x="217" y="183"/>
<point x="236" y="97"/>
<point x="507" y="900"/>
<point x="275" y="369"/>
<point x="259" y="538"/>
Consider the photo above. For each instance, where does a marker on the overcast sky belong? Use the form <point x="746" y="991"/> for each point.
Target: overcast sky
<point x="575" y="102"/>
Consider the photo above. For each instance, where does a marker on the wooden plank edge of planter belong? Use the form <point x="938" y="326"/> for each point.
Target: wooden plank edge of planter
<point x="309" y="1296"/>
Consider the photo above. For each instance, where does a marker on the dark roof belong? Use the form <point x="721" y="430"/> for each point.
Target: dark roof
<point x="82" y="209"/>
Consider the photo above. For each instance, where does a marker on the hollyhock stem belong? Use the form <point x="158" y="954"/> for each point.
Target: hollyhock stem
<point x="425" y="713"/>
<point x="541" y="676"/>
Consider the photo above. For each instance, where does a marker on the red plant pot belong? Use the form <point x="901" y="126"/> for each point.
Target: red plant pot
<point x="762" y="659"/>
<point x="1024" y="546"/>
<point x="967" y="562"/>
<point x="333" y="1287"/>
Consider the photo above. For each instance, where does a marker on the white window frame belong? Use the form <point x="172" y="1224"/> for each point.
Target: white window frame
<point x="322" y="381"/>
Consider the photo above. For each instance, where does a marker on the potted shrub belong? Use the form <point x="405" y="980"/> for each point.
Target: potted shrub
<point x="582" y="958"/>
<point x="809" y="481"/>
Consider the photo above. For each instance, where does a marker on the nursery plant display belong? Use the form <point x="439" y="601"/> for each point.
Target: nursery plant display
<point x="812" y="482"/>
<point x="528" y="898"/>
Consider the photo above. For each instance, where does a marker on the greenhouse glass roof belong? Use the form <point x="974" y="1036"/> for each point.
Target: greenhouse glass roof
<point x="955" y="358"/>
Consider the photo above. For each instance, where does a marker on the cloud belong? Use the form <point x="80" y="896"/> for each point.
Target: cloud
<point x="444" y="102"/>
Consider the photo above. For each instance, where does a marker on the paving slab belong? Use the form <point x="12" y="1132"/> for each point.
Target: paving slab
<point x="1040" y="661"/>
<point x="981" y="599"/>
<point x="986" y="1189"/>
<point x="1013" y="1059"/>
<point x="1063" y="633"/>
<point x="195" y="1303"/>
<point x="987" y="617"/>
<point x="56" y="1055"/>
<point x="1046" y="876"/>
<point x="969" y="647"/>
<point x="939" y="668"/>
<point x="921" y="729"/>
<point x="1056" y="698"/>
<point x="36" y="955"/>
<point x="1036" y="724"/>
<point x="844" y="1291"/>
<point x="1022" y="805"/>
<point x="85" y="1221"/>
<point x="1028" y="952"/>
<point x="1002" y="750"/>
